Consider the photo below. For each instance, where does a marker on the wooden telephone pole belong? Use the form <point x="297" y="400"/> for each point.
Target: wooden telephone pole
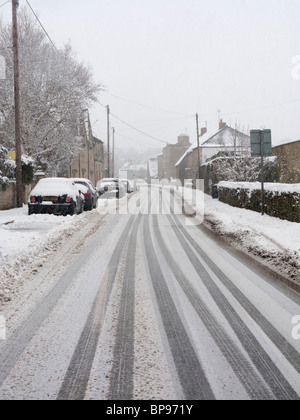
<point x="108" y="141"/>
<point x="198" y="146"/>
<point x="15" y="5"/>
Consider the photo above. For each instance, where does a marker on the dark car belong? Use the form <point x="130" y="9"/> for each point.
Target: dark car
<point x="60" y="196"/>
<point x="91" y="195"/>
<point x="111" y="188"/>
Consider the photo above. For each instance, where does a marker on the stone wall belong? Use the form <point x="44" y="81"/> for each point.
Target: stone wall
<point x="288" y="160"/>
<point x="8" y="197"/>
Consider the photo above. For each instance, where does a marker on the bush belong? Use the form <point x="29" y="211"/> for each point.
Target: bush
<point x="28" y="165"/>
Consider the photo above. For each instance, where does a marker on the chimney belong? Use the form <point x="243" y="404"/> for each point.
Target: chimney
<point x="222" y="124"/>
<point x="203" y="131"/>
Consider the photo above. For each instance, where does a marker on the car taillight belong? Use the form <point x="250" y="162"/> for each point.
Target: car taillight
<point x="68" y="199"/>
<point x="32" y="199"/>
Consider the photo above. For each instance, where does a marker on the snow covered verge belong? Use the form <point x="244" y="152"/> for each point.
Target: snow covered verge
<point x="27" y="243"/>
<point x="274" y="242"/>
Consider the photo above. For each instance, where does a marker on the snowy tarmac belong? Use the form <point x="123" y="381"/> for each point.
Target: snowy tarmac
<point x="141" y="306"/>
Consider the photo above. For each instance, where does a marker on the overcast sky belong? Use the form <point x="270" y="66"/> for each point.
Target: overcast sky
<point x="163" y="61"/>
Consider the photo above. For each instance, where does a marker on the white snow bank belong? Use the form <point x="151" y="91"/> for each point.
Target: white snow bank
<point x="275" y="242"/>
<point x="19" y="232"/>
<point x="281" y="233"/>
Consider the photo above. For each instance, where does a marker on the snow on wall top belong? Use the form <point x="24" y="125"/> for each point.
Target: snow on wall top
<point x="288" y="188"/>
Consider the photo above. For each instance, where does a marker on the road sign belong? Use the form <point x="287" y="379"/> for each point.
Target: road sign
<point x="261" y="146"/>
<point x="261" y="140"/>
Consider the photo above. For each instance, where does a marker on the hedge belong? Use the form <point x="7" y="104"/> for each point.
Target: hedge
<point x="281" y="200"/>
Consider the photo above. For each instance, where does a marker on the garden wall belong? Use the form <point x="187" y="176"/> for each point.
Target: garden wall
<point x="8" y="197"/>
<point x="281" y="200"/>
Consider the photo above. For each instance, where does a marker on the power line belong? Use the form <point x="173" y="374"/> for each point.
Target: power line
<point x="134" y="128"/>
<point x="148" y="106"/>
<point x="48" y="36"/>
<point x="9" y="1"/>
<point x="140" y="131"/>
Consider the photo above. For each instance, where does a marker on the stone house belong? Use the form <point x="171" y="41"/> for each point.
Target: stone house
<point x="90" y="162"/>
<point x="171" y="153"/>
<point x="226" y="140"/>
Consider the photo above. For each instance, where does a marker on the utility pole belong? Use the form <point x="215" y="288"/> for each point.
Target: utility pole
<point x="262" y="134"/>
<point x="198" y="145"/>
<point x="113" y="153"/>
<point x="108" y="141"/>
<point x="15" y="5"/>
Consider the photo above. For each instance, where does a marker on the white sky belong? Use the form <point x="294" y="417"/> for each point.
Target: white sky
<point x="184" y="56"/>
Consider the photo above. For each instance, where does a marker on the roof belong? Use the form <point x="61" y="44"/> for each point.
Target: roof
<point x="221" y="138"/>
<point x="98" y="140"/>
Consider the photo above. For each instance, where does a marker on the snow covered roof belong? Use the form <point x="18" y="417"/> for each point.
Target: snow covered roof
<point x="226" y="137"/>
<point x="194" y="146"/>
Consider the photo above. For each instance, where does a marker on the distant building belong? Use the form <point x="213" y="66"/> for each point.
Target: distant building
<point x="170" y="155"/>
<point x="133" y="172"/>
<point x="152" y="169"/>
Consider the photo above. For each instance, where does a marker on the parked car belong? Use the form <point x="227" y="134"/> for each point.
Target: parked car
<point x="91" y="195"/>
<point x="111" y="188"/>
<point x="128" y="185"/>
<point x="189" y="183"/>
<point x="60" y="196"/>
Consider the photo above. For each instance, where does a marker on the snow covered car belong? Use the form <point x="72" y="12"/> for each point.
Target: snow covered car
<point x="56" y="196"/>
<point x="111" y="188"/>
<point x="128" y="185"/>
<point x="91" y="195"/>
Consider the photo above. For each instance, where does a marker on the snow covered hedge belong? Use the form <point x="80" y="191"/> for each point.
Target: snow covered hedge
<point x="281" y="200"/>
<point x="8" y="169"/>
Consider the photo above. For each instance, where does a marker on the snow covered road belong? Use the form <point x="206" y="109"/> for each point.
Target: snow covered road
<point x="144" y="306"/>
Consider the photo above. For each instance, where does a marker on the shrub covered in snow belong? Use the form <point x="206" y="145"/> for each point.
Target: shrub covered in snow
<point x="281" y="200"/>
<point x="7" y="168"/>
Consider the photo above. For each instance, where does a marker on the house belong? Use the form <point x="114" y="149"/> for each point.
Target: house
<point x="288" y="161"/>
<point x="170" y="155"/>
<point x="89" y="163"/>
<point x="226" y="140"/>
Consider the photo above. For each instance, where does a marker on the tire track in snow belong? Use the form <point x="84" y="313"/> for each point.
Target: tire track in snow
<point x="267" y="368"/>
<point x="192" y="378"/>
<point x="78" y="374"/>
<point x="121" y="381"/>
<point x="251" y="381"/>
<point x="16" y="345"/>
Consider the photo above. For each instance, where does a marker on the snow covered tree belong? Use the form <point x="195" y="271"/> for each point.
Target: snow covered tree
<point x="56" y="90"/>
